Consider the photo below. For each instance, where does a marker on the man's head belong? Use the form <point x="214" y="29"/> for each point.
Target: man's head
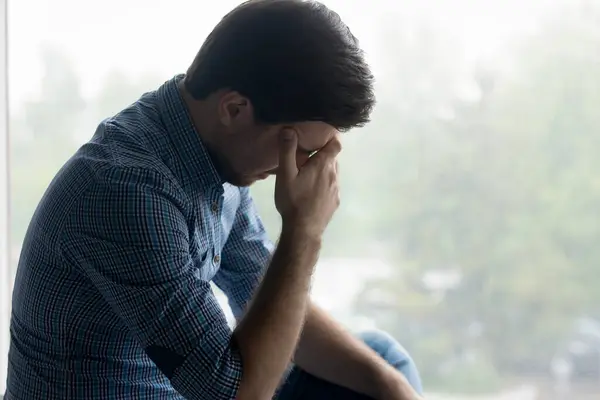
<point x="270" y="65"/>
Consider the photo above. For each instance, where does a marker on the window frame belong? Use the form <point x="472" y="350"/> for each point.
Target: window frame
<point x="6" y="274"/>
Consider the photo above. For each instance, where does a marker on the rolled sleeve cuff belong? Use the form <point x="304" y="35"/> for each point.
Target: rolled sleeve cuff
<point x="211" y="371"/>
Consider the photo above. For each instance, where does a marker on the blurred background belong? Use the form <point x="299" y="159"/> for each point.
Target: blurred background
<point x="470" y="215"/>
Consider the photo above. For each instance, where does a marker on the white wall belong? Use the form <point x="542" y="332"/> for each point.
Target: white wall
<point x="5" y="274"/>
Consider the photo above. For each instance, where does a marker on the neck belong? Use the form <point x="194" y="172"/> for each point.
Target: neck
<point x="203" y="114"/>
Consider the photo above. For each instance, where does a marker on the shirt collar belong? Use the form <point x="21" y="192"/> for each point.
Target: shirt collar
<point x="186" y="140"/>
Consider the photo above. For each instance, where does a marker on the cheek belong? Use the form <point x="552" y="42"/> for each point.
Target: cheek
<point x="264" y="156"/>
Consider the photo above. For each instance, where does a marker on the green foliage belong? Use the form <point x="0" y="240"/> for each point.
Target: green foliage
<point x="510" y="201"/>
<point x="60" y="105"/>
<point x="470" y="378"/>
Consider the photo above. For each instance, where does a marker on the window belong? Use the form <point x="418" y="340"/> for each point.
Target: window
<point x="5" y="276"/>
<point x="469" y="220"/>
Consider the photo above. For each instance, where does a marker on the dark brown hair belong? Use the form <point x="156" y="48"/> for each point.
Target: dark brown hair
<point x="295" y="60"/>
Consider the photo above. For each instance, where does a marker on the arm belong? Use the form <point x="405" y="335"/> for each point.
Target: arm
<point x="306" y="200"/>
<point x="269" y="331"/>
<point x="128" y="235"/>
<point x="329" y="352"/>
<point x="325" y="349"/>
<point x="245" y="258"/>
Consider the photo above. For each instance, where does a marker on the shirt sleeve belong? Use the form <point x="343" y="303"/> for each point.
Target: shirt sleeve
<point x="245" y="257"/>
<point x="129" y="234"/>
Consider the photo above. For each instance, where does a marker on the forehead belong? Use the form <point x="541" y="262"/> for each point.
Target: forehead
<point x="314" y="135"/>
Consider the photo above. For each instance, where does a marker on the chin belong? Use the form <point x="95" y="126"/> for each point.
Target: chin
<point x="245" y="181"/>
<point x="242" y="181"/>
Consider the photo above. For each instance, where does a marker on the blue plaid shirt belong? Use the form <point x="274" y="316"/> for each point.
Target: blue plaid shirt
<point x="112" y="298"/>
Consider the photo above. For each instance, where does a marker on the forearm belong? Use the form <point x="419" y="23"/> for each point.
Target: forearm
<point x="268" y="334"/>
<point x="329" y="352"/>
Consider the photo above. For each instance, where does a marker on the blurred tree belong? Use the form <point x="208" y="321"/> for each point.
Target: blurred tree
<point x="118" y="91"/>
<point x="59" y="107"/>
<point x="42" y="136"/>
<point x="509" y="202"/>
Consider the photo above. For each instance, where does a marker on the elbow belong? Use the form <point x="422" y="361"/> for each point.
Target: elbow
<point x="254" y="390"/>
<point x="210" y="373"/>
<point x="258" y="381"/>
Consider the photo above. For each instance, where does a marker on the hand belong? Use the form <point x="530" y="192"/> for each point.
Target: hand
<point x="396" y="387"/>
<point x="307" y="197"/>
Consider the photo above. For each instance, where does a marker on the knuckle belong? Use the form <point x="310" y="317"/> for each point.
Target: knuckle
<point x="337" y="146"/>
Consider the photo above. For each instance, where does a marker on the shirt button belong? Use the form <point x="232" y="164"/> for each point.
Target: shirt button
<point x="214" y="207"/>
<point x="216" y="259"/>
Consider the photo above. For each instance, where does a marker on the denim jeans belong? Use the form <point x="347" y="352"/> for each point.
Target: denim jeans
<point x="302" y="386"/>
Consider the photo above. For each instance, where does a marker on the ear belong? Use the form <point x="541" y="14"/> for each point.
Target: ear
<point x="235" y="110"/>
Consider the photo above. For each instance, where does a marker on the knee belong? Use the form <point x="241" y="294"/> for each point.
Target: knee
<point x="394" y="353"/>
<point x="387" y="347"/>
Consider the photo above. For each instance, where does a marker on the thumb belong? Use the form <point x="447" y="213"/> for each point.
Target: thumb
<point x="288" y="142"/>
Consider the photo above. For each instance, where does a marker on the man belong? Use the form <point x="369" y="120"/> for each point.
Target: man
<point x="112" y="297"/>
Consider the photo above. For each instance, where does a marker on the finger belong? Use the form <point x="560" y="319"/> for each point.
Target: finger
<point x="331" y="149"/>
<point x="288" y="143"/>
<point x="333" y="171"/>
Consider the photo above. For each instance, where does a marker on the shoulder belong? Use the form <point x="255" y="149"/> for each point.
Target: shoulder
<point x="93" y="194"/>
<point x="115" y="188"/>
<point x="139" y="207"/>
<point x="117" y="160"/>
<point x="113" y="172"/>
<point x="136" y="136"/>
